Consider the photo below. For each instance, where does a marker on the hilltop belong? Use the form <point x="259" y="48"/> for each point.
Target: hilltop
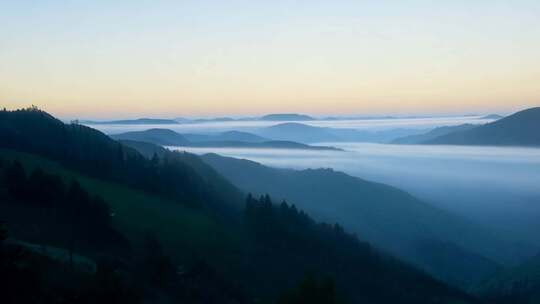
<point x="286" y="117"/>
<point x="519" y="129"/>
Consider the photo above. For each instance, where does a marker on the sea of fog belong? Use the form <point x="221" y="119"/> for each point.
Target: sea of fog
<point x="496" y="186"/>
<point x="252" y="125"/>
<point x="499" y="187"/>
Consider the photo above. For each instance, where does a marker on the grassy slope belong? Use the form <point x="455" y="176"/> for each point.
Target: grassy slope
<point x="183" y="231"/>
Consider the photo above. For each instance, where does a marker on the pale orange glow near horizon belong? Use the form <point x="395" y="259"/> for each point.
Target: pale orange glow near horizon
<point x="348" y="58"/>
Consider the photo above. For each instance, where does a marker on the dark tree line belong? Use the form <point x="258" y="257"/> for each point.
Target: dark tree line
<point x="283" y="224"/>
<point x="93" y="153"/>
<point x="284" y="244"/>
<point x="59" y="213"/>
<point x="68" y="216"/>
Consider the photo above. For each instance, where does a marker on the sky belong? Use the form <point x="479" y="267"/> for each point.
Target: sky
<point x="119" y="59"/>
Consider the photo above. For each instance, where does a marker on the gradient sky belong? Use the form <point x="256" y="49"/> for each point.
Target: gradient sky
<point x="104" y="59"/>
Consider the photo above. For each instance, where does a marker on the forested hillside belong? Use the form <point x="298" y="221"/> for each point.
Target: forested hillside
<point x="372" y="210"/>
<point x="169" y="228"/>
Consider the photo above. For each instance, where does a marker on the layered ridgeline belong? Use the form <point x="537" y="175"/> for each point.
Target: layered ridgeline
<point x="226" y="136"/>
<point x="166" y="137"/>
<point x="298" y="132"/>
<point x="187" y="234"/>
<point x="231" y="139"/>
<point x="95" y="154"/>
<point x="432" y="134"/>
<point x="519" y="129"/>
<point x="138" y="121"/>
<point x="286" y="117"/>
<point x="439" y="242"/>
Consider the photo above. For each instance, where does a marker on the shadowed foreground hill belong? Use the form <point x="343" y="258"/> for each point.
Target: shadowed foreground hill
<point x="93" y="153"/>
<point x="386" y="216"/>
<point x="519" y="129"/>
<point x="260" y="252"/>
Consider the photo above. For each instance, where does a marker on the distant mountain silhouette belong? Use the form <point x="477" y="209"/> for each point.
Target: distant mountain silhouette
<point x="240" y="136"/>
<point x="216" y="119"/>
<point x="440" y="131"/>
<point x="303" y="133"/>
<point x="286" y="117"/>
<point x="380" y="136"/>
<point x="166" y="137"/>
<point x="182" y="119"/>
<point x="226" y="136"/>
<point x="492" y="116"/>
<point x="273" y="144"/>
<point x="298" y="132"/>
<point x="519" y="129"/>
<point x="140" y="121"/>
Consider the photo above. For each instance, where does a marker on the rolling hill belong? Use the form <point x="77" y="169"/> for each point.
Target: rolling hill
<point x="437" y="132"/>
<point x="272" y="144"/>
<point x="389" y="218"/>
<point x="519" y="129"/>
<point x="297" y="132"/>
<point x="225" y="136"/>
<point x="492" y="116"/>
<point x="286" y="117"/>
<point x="237" y="136"/>
<point x="232" y="139"/>
<point x="205" y="253"/>
<point x="292" y="131"/>
<point x="163" y="137"/>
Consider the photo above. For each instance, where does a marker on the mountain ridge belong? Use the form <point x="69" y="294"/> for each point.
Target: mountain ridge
<point x="269" y="255"/>
<point x="286" y="117"/>
<point x="362" y="206"/>
<point x="519" y="129"/>
<point x="167" y="137"/>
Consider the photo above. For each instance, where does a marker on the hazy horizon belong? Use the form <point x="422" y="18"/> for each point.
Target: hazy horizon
<point x="424" y="123"/>
<point x="401" y="165"/>
<point x="212" y="58"/>
<point x="319" y="116"/>
<point x="86" y="116"/>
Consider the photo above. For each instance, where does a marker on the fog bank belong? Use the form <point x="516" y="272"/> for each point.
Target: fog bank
<point x="252" y="125"/>
<point x="498" y="187"/>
